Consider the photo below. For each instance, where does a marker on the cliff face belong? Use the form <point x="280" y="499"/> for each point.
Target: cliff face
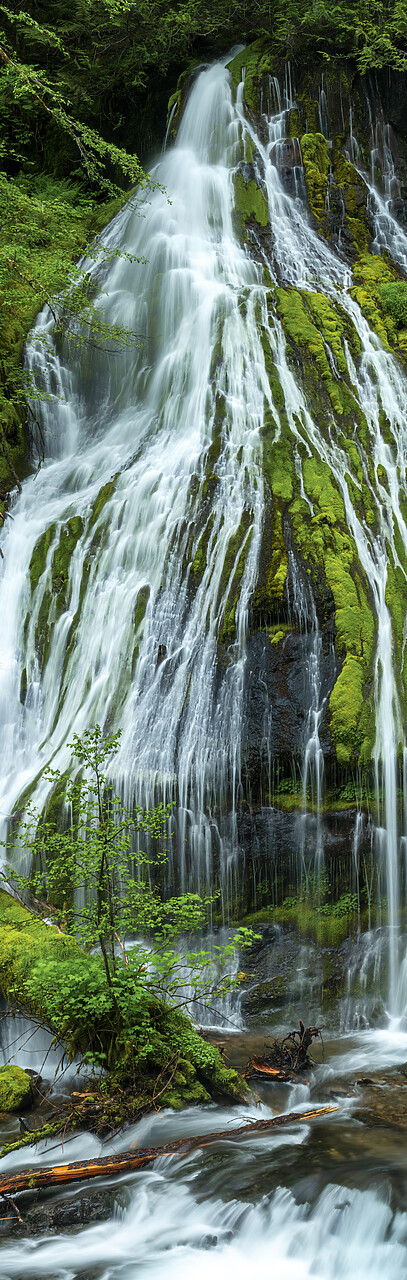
<point x="340" y="151"/>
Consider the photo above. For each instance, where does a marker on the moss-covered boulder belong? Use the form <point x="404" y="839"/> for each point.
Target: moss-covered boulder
<point x="15" y="1089"/>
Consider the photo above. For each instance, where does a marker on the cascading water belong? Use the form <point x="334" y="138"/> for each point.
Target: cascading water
<point x="301" y="258"/>
<point x="150" y="506"/>
<point x="135" y="642"/>
<point x="303" y="608"/>
<point x="116" y="593"/>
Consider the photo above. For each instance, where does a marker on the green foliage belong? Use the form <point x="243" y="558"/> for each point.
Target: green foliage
<point x="394" y="301"/>
<point x="107" y="993"/>
<point x="315" y="912"/>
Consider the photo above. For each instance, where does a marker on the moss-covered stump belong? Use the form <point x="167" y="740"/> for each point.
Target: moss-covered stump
<point x="15" y="1089"/>
<point x="152" y="1053"/>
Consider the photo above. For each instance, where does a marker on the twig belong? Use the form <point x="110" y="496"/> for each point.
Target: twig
<point x="9" y="1200"/>
<point x="167" y="1082"/>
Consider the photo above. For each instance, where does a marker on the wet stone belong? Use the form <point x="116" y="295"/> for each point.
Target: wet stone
<point x="66" y="1215"/>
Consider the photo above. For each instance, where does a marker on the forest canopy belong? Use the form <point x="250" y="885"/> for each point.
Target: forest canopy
<point x="94" y="61"/>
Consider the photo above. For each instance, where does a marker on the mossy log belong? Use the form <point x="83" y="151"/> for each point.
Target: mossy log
<point x="128" y="1161"/>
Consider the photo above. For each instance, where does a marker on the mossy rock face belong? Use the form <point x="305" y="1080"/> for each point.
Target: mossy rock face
<point x="177" y="100"/>
<point x="39" y="556"/>
<point x="15" y="1089"/>
<point x="257" y="60"/>
<point x="250" y="203"/>
<point x="69" y="536"/>
<point x="316" y="161"/>
<point x="43" y="231"/>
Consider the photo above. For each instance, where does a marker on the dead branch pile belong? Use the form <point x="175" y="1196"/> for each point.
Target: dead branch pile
<point x="286" y="1058"/>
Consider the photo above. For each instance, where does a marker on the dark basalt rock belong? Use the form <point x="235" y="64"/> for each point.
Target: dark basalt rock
<point x="278" y="697"/>
<point x="67" y="1215"/>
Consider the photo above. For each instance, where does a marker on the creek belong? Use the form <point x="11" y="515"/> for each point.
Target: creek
<point x="323" y="1199"/>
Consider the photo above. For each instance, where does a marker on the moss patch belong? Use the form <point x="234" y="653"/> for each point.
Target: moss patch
<point x="257" y="59"/>
<point x="15" y="1089"/>
<point x="249" y="203"/>
<point x="316" y="161"/>
<point x="329" y="551"/>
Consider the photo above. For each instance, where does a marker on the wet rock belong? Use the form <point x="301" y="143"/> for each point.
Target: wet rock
<point x="61" y="1215"/>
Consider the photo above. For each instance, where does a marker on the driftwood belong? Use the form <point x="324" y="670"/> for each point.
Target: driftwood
<point x="286" y="1058"/>
<point x="128" y="1161"/>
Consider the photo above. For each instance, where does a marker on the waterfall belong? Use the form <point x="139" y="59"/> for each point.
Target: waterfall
<point x="153" y="482"/>
<point x="132" y="559"/>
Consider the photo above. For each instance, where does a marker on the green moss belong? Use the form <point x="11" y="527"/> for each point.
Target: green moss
<point x="346" y="704"/>
<point x="330" y="554"/>
<point x="257" y="60"/>
<point x="396" y="600"/>
<point x="371" y="312"/>
<point x="278" y="632"/>
<point x="70" y="533"/>
<point x="355" y="199"/>
<point x="278" y="563"/>
<point x="376" y="292"/>
<point x="294" y="123"/>
<point x="42" y="627"/>
<point x="142" y="600"/>
<point x="39" y="556"/>
<point x="316" y="161"/>
<point x="199" y="562"/>
<point x="143" y="597"/>
<point x="41" y="235"/>
<point x="322" y="488"/>
<point x="15" y="1089"/>
<point x="278" y="464"/>
<point x="103" y="496"/>
<point x="354" y="190"/>
<point x="249" y="201"/>
<point x="295" y="311"/>
<point x="354" y="458"/>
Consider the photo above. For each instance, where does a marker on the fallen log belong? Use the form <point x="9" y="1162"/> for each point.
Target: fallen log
<point x="129" y="1161"/>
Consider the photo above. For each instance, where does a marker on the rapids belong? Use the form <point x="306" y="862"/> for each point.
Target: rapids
<point x="325" y="1199"/>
